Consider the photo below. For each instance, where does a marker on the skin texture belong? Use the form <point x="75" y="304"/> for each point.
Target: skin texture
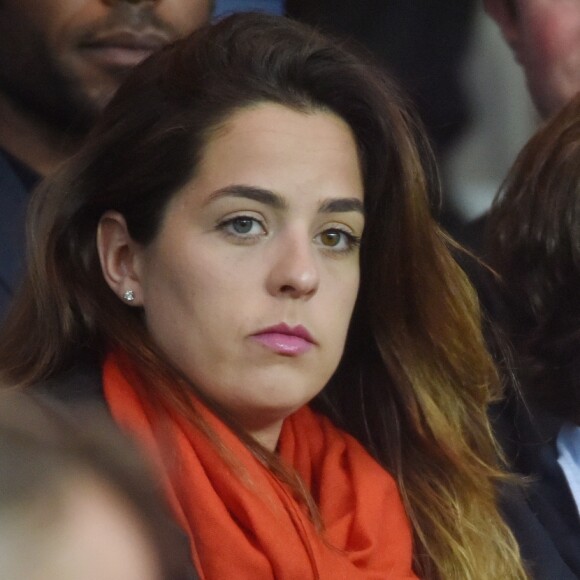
<point x="207" y="288"/>
<point x="545" y="37"/>
<point x="62" y="60"/>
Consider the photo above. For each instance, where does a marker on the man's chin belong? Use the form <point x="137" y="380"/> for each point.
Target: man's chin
<point x="549" y="99"/>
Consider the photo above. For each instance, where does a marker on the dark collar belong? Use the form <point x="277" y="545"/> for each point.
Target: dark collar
<point x="27" y="176"/>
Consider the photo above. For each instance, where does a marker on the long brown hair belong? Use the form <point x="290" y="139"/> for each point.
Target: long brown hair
<point x="415" y="379"/>
<point x="534" y="243"/>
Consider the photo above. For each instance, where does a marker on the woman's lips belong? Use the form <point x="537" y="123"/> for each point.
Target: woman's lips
<point x="285" y="340"/>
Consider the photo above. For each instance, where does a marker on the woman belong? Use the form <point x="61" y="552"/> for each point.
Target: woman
<point x="248" y="231"/>
<point x="534" y="244"/>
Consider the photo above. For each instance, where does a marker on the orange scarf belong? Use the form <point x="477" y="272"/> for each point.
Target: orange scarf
<point x="252" y="527"/>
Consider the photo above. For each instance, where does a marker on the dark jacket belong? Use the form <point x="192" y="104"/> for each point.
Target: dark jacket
<point x="16" y="181"/>
<point x="542" y="515"/>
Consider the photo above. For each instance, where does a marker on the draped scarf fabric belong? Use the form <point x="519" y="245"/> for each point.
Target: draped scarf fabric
<point x="247" y="524"/>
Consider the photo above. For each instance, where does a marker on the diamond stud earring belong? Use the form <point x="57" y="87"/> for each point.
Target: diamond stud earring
<point x="129" y="296"/>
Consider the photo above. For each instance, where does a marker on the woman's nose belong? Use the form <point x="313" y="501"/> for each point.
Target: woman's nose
<point x="295" y="269"/>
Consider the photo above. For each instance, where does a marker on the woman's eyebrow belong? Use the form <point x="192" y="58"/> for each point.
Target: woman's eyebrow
<point x="258" y="194"/>
<point x="267" y="197"/>
<point x="342" y="204"/>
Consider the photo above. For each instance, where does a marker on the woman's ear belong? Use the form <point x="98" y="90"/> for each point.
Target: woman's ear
<point x="119" y="255"/>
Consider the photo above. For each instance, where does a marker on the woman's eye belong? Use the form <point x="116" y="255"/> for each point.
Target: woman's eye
<point x="338" y="240"/>
<point x="331" y="238"/>
<point x="243" y="226"/>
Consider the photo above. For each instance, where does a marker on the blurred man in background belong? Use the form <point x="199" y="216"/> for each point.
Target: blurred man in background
<point x="60" y="63"/>
<point x="544" y="36"/>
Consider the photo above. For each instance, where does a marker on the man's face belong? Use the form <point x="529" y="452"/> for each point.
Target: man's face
<point x="545" y="36"/>
<point x="62" y="60"/>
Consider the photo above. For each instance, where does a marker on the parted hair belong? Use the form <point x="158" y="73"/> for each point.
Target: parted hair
<point x="415" y="379"/>
<point x="533" y="237"/>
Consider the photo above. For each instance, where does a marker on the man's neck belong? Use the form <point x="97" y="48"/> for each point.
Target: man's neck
<point x="38" y="146"/>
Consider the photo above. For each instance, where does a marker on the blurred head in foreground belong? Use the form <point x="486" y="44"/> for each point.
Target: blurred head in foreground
<point x="76" y="501"/>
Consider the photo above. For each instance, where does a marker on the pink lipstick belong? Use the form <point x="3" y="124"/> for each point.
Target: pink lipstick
<point x="285" y="340"/>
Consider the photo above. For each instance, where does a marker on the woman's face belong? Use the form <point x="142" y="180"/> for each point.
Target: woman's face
<point x="250" y="284"/>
